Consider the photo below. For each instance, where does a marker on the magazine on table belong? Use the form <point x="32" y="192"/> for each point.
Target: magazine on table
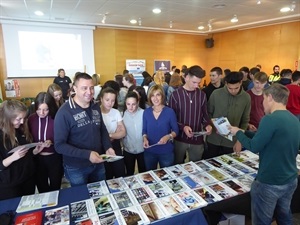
<point x="191" y="167"/>
<point x="203" y="165"/>
<point x="222" y="125"/>
<point x="242" y="167"/>
<point x="246" y="180"/>
<point x="176" y="170"/>
<point x="191" y="199"/>
<point x="108" y="218"/>
<point x="192" y="181"/>
<point x="214" y="162"/>
<point x="148" y="177"/>
<point x="235" y="185"/>
<point x="218" y="174"/>
<point x="173" y="205"/>
<point x="205" y="178"/>
<point x="222" y="190"/>
<point x="133" y="182"/>
<point x="160" y="189"/>
<point x="254" y="164"/>
<point x="97" y="189"/>
<point x="208" y="194"/>
<point x="125" y="199"/>
<point x="105" y="204"/>
<point x="92" y="220"/>
<point x="83" y="211"/>
<point x="244" y="155"/>
<point x="58" y="216"/>
<point x="232" y="171"/>
<point x="163" y="174"/>
<point x="132" y="215"/>
<point x="154" y="210"/>
<point x="28" y="218"/>
<point x="116" y="185"/>
<point x="38" y="201"/>
<point x="225" y="160"/>
<point x="176" y="185"/>
<point x="143" y="194"/>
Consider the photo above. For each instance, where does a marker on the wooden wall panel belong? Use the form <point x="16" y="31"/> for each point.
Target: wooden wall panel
<point x="269" y="45"/>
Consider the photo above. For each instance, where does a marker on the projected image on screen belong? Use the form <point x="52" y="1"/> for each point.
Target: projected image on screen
<point x="41" y="50"/>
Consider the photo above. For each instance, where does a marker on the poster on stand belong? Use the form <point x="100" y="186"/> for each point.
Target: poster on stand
<point x="164" y="65"/>
<point x="12" y="88"/>
<point x="136" y="67"/>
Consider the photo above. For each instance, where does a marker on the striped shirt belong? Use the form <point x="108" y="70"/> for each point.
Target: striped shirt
<point x="191" y="110"/>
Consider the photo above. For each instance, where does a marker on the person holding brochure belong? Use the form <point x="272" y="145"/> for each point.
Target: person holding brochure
<point x="41" y="127"/>
<point x="277" y="145"/>
<point x="190" y="106"/>
<point x="114" y="123"/>
<point x="80" y="134"/>
<point x="159" y="129"/>
<point x="16" y="159"/>
<point x="232" y="102"/>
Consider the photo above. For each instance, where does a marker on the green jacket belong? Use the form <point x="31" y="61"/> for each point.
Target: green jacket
<point x="235" y="108"/>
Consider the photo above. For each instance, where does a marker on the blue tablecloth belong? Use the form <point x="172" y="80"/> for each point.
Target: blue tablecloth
<point x="69" y="195"/>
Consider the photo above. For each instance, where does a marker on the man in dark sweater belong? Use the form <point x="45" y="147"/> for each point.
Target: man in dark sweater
<point x="277" y="141"/>
<point x="215" y="81"/>
<point x="81" y="136"/>
<point x="190" y="106"/>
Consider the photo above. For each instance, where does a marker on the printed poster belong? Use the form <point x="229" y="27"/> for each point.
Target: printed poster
<point x="164" y="65"/>
<point x="136" y="67"/>
<point x="12" y="88"/>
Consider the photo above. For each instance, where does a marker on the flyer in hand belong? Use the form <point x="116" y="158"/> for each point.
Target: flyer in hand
<point x="111" y="158"/>
<point x="222" y="124"/>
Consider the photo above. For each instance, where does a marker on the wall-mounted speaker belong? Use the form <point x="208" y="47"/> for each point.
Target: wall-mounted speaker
<point x="209" y="42"/>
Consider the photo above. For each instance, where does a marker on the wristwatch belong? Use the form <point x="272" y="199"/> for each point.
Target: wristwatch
<point x="171" y="137"/>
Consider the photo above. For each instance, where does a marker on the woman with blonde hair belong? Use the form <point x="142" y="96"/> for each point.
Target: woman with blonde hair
<point x="17" y="166"/>
<point x="159" y="79"/>
<point x="55" y="91"/>
<point x="96" y="82"/>
<point x="159" y="129"/>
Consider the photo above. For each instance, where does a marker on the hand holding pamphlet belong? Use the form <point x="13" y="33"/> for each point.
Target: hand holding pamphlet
<point x="222" y="124"/>
<point x="199" y="133"/>
<point x="30" y="145"/>
<point x="111" y="158"/>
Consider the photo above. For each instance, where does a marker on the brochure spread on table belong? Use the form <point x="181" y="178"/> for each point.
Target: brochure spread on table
<point x="222" y="125"/>
<point x="38" y="201"/>
<point x="153" y="195"/>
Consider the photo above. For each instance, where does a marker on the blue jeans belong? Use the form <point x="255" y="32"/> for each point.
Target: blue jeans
<point x="79" y="176"/>
<point x="164" y="160"/>
<point x="268" y="201"/>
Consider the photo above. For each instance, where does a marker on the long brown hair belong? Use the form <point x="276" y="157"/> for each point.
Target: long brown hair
<point x="9" y="111"/>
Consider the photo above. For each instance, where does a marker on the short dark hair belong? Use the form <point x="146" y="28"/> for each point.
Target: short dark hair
<point x="296" y="75"/>
<point x="107" y="90"/>
<point x="173" y="67"/>
<point x="177" y="71"/>
<point x="196" y="71"/>
<point x="217" y="69"/>
<point x="254" y="70"/>
<point x="79" y="76"/>
<point x="233" y="77"/>
<point x="275" y="67"/>
<point x="112" y="84"/>
<point x="286" y="72"/>
<point x="244" y="69"/>
<point x="227" y="71"/>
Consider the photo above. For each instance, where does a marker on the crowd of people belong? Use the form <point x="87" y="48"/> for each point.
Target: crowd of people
<point x="74" y="123"/>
